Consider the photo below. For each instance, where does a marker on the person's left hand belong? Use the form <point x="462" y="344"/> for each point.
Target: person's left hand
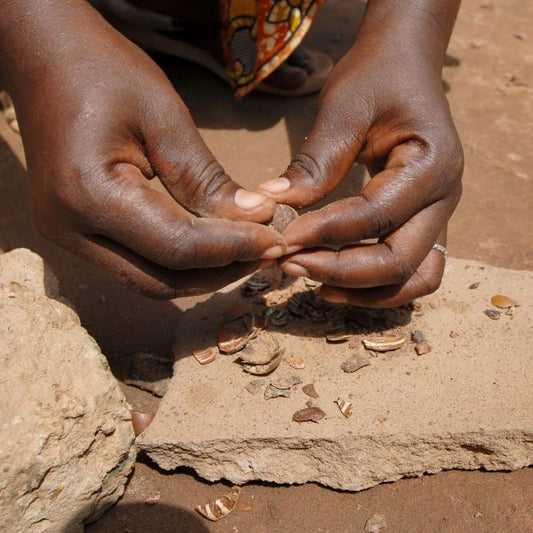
<point x="385" y="109"/>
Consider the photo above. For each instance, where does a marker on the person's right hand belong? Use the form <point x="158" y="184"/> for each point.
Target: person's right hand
<point x="98" y="120"/>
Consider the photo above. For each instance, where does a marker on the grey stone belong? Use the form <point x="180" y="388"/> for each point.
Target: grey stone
<point x="465" y="405"/>
<point x="65" y="430"/>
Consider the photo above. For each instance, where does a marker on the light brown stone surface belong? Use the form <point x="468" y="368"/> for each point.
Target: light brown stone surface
<point x="467" y="404"/>
<point x="65" y="431"/>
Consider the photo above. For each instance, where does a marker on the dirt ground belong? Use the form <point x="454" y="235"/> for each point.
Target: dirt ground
<point x="489" y="75"/>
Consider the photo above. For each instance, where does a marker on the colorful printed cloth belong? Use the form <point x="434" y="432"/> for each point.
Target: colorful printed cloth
<point x="259" y="35"/>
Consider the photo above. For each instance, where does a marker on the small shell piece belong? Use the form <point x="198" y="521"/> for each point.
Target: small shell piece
<point x="205" y="356"/>
<point x="274" y="392"/>
<point x="310" y="390"/>
<point x="354" y="363"/>
<point x="286" y="382"/>
<point x="309" y="414"/>
<point x="422" y="348"/>
<point x="346" y="408"/>
<point x="375" y="523"/>
<point x="152" y="500"/>
<point x="261" y="350"/>
<point x="295" y="361"/>
<point x="503" y="302"/>
<point x="493" y="314"/>
<point x="222" y="507"/>
<point x="235" y="334"/>
<point x="337" y="334"/>
<point x="277" y="317"/>
<point x="283" y="216"/>
<point x="417" y="336"/>
<point x="262" y="370"/>
<point x="255" y="386"/>
<point x="384" y="343"/>
<point x="254" y="285"/>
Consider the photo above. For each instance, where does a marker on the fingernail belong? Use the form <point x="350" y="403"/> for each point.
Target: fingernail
<point x="274" y="252"/>
<point x="275" y="185"/>
<point x="293" y="248"/>
<point x="332" y="296"/>
<point x="294" y="270"/>
<point x="248" y="199"/>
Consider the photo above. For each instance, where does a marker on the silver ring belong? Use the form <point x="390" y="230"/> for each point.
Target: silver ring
<point x="440" y="248"/>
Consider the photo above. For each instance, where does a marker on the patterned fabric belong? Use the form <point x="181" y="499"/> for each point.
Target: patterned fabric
<point x="259" y="35"/>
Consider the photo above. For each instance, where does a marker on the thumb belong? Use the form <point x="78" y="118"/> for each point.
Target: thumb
<point x="320" y="165"/>
<point x="192" y="175"/>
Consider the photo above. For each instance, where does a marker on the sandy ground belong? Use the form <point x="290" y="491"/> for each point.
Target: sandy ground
<point x="490" y="80"/>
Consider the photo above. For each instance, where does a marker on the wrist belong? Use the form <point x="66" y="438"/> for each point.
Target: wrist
<point x="420" y="29"/>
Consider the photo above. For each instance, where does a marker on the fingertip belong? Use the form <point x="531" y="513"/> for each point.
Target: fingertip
<point x="294" y="269"/>
<point x="250" y="200"/>
<point x="274" y="252"/>
<point x="333" y="295"/>
<point x="275" y="186"/>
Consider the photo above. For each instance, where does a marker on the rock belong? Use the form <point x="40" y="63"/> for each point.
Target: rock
<point x="66" y="432"/>
<point x="468" y="406"/>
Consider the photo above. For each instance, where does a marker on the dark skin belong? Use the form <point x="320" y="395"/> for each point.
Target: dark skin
<point x="94" y="135"/>
<point x="383" y="106"/>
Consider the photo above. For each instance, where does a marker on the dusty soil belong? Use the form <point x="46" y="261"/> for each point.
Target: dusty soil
<point x="490" y="80"/>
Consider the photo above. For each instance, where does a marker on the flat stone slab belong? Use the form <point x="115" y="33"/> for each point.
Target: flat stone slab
<point x="467" y="404"/>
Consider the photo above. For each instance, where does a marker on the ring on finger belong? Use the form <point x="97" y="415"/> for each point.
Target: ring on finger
<point x="440" y="248"/>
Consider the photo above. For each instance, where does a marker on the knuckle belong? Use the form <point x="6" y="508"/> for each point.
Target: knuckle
<point x="204" y="182"/>
<point x="307" y="167"/>
<point x="428" y="282"/>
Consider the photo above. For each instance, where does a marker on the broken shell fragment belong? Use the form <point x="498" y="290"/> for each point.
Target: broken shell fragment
<point x="152" y="500"/>
<point x="310" y="390"/>
<point x="503" y="302"/>
<point x="140" y="421"/>
<point x="384" y="343"/>
<point x="417" y="336"/>
<point x="261" y="350"/>
<point x="353" y="363"/>
<point x="208" y="355"/>
<point x="346" y="408"/>
<point x="220" y="508"/>
<point x="286" y="382"/>
<point x="277" y="317"/>
<point x="493" y="314"/>
<point x="254" y="285"/>
<point x="422" y="348"/>
<point x="274" y="392"/>
<point x="295" y="361"/>
<point x="262" y="370"/>
<point x="283" y="216"/>
<point x="255" y="386"/>
<point x="338" y="334"/>
<point x="235" y="334"/>
<point x="309" y="414"/>
<point x="375" y="523"/>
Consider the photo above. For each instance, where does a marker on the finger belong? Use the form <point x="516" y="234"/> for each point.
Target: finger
<point x="406" y="186"/>
<point x="391" y="261"/>
<point x="151" y="224"/>
<point x="192" y="175"/>
<point x="425" y="280"/>
<point x="151" y="279"/>
<point x="322" y="162"/>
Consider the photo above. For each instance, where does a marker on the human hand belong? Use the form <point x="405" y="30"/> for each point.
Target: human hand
<point x="383" y="106"/>
<point x="98" y="120"/>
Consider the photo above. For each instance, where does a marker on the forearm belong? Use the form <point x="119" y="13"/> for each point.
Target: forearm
<point x="35" y="36"/>
<point x="416" y="27"/>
